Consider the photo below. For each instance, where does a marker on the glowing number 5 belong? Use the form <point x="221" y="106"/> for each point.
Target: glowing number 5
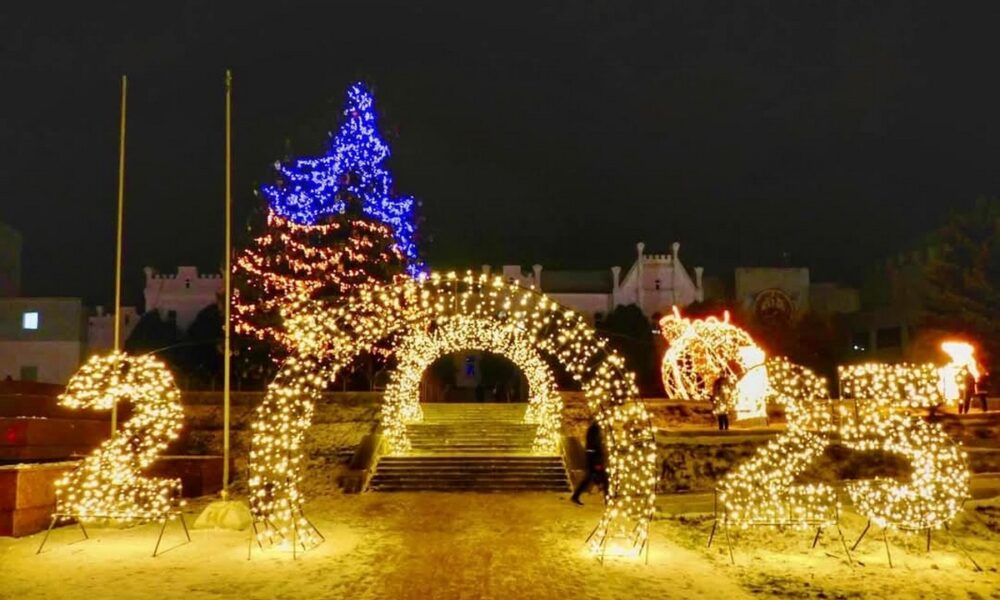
<point x="939" y="481"/>
<point x="109" y="482"/>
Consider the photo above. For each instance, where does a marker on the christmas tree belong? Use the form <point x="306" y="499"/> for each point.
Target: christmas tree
<point x="352" y="171"/>
<point x="334" y="223"/>
<point x="291" y="260"/>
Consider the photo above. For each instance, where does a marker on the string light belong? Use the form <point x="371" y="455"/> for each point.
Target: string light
<point x="700" y="351"/>
<point x="328" y="336"/>
<point x="939" y="480"/>
<point x="448" y="334"/>
<point x="351" y="171"/>
<point x="291" y="260"/>
<point x="763" y="490"/>
<point x="109" y="482"/>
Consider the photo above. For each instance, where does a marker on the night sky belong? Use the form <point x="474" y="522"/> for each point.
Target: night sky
<point x="822" y="134"/>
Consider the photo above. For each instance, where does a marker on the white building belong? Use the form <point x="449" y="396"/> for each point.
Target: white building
<point x="101" y="329"/>
<point x="181" y="296"/>
<point x="41" y="339"/>
<point x="655" y="283"/>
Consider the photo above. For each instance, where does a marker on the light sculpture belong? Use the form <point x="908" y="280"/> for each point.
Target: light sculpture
<point x="700" y="351"/>
<point x="290" y="260"/>
<point x="879" y="420"/>
<point x="421" y="347"/>
<point x="328" y="336"/>
<point x="351" y="171"/>
<point x="109" y="482"/>
<point x="764" y="490"/>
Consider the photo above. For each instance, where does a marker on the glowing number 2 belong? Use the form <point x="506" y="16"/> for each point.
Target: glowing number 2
<point x="109" y="482"/>
<point x="762" y="491"/>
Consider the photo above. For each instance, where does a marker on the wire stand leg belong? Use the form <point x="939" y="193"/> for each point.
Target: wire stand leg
<point x="862" y="536"/>
<point x="52" y="524"/>
<point x="885" y="539"/>
<point x="962" y="549"/>
<point x="819" y="532"/>
<point x="160" y="537"/>
<point x="843" y="542"/>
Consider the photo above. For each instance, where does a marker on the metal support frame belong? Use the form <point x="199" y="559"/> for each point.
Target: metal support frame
<point x="79" y="521"/>
<point x="264" y="527"/>
<point x="927" y="530"/>
<point x="820" y="526"/>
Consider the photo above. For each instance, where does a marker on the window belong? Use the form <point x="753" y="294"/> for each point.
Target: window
<point x="187" y="284"/>
<point x="889" y="337"/>
<point x="657" y="284"/>
<point x="29" y="320"/>
<point x="859" y="341"/>
<point x="470" y="366"/>
<point x="29" y="373"/>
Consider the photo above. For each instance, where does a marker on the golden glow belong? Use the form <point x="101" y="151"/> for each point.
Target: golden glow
<point x="292" y="261"/>
<point x="327" y="337"/>
<point x="763" y="490"/>
<point x="939" y="482"/>
<point x="700" y="351"/>
<point x="421" y="347"/>
<point x="750" y="392"/>
<point x="952" y="378"/>
<point x="109" y="482"/>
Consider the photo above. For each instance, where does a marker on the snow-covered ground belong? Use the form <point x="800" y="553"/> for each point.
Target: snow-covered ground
<point x="509" y="546"/>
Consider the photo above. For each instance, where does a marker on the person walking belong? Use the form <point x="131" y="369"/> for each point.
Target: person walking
<point x="720" y="400"/>
<point x="982" y="390"/>
<point x="596" y="472"/>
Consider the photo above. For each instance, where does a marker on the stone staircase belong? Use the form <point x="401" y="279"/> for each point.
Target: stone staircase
<point x="471" y="447"/>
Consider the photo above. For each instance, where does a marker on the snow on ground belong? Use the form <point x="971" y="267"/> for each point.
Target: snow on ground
<point x="510" y="546"/>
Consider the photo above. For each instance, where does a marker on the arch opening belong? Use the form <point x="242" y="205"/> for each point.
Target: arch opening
<point x="328" y="336"/>
<point x="419" y="348"/>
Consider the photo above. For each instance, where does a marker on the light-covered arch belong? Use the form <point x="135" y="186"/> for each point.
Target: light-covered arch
<point x="448" y="334"/>
<point x="328" y="336"/>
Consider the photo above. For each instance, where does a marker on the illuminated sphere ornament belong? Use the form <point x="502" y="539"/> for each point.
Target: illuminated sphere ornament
<point x="328" y="336"/>
<point x="109" y="483"/>
<point x="699" y="352"/>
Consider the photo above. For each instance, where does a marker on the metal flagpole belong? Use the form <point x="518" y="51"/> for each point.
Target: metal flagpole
<point x="118" y="250"/>
<point x="226" y="280"/>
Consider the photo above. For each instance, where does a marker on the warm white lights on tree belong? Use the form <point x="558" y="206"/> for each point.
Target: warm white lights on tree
<point x="328" y="336"/>
<point x="109" y="482"/>
<point x="419" y="348"/>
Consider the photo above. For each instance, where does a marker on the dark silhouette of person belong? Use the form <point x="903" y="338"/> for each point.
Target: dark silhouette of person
<point x="596" y="472"/>
<point x="968" y="391"/>
<point x="480" y="392"/>
<point x="720" y="401"/>
<point x="982" y="390"/>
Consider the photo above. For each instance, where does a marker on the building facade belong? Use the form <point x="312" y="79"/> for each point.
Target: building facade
<point x="101" y="328"/>
<point x="41" y="339"/>
<point x="181" y="296"/>
<point x="654" y="283"/>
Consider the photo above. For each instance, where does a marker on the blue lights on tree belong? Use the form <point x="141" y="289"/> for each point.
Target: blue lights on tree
<point x="350" y="177"/>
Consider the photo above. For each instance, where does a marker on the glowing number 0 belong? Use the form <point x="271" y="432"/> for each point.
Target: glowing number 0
<point x="109" y="482"/>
